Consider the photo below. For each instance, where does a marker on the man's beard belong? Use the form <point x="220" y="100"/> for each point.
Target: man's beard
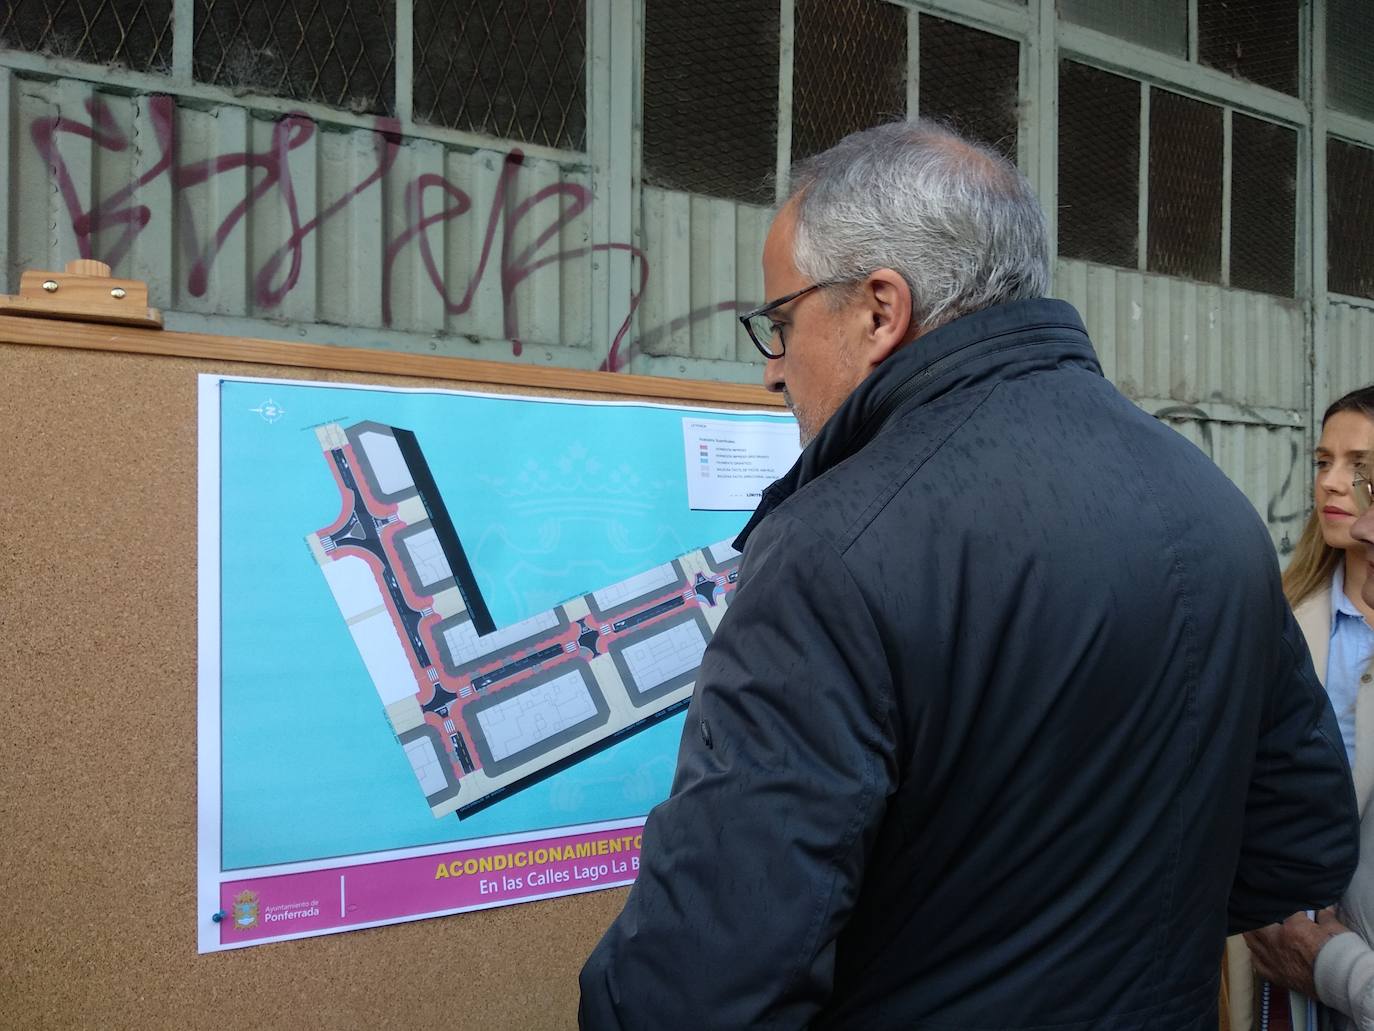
<point x="806" y="429"/>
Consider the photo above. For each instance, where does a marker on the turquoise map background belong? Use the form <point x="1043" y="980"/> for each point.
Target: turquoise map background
<point x="550" y="499"/>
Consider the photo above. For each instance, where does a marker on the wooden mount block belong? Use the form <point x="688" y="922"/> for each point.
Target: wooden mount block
<point x="85" y="292"/>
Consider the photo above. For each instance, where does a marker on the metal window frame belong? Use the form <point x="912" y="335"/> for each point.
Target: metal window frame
<point x="613" y="147"/>
<point x="998" y="17"/>
<point x="1328" y="123"/>
<point x="1228" y="110"/>
<point x="1142" y="211"/>
<point x="181" y="84"/>
<point x="1307" y="114"/>
<point x="1227" y="174"/>
<point x="1312" y="213"/>
<point x="787" y="48"/>
<point x="1183" y="76"/>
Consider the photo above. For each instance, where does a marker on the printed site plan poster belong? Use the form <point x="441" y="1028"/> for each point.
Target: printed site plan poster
<point x="445" y="643"/>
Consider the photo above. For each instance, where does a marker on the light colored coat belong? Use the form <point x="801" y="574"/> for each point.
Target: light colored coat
<point x="1344" y="971"/>
<point x="1314" y="616"/>
<point x="1314" y="619"/>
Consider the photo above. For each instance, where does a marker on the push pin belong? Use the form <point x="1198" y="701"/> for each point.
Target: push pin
<point x="217" y="917"/>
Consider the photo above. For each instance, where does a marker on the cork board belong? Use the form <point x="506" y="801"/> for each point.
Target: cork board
<point x="98" y="713"/>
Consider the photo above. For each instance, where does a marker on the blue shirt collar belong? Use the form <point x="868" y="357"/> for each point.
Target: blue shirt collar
<point x="1340" y="604"/>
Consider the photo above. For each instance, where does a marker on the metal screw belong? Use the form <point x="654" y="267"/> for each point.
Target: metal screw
<point x="50" y="285"/>
<point x="117" y="293"/>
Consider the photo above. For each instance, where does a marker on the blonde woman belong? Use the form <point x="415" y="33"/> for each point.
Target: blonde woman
<point x="1323" y="584"/>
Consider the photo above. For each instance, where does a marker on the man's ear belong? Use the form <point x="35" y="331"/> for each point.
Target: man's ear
<point x="888" y="310"/>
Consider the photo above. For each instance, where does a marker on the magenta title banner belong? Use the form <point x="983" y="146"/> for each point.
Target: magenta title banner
<point x="340" y="898"/>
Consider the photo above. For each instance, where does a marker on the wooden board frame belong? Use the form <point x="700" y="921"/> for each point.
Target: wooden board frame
<point x="98" y="696"/>
<point x="56" y="333"/>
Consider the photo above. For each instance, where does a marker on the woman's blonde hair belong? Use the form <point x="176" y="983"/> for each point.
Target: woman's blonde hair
<point x="1313" y="559"/>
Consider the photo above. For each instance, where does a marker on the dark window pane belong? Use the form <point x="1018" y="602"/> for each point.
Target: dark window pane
<point x="1349" y="219"/>
<point x="1183" y="237"/>
<point x="1350" y="56"/>
<point x="711" y="97"/>
<point x="969" y="81"/>
<point x="1160" y="24"/>
<point x="136" y="34"/>
<point x="1099" y="165"/>
<point x="1264" y="188"/>
<point x="849" y="70"/>
<point x="515" y="69"/>
<point x="340" y="54"/>
<point x="1251" y="39"/>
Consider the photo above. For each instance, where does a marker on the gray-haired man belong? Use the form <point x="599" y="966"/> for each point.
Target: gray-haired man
<point x="1008" y="721"/>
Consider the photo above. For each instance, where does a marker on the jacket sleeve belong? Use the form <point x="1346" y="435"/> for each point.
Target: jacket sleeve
<point x="750" y="868"/>
<point x="1345" y="978"/>
<point x="1301" y="829"/>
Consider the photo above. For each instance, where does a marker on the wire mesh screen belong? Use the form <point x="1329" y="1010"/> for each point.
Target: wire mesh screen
<point x="342" y="54"/>
<point x="509" y="68"/>
<point x="711" y="97"/>
<point x="1160" y="24"/>
<point x="1183" y="235"/>
<point x="1349" y="219"/>
<point x="134" y="33"/>
<point x="1099" y="165"/>
<point x="969" y="80"/>
<point x="1350" y="56"/>
<point x="1251" y="39"/>
<point x="1264" y="194"/>
<point x="849" y="70"/>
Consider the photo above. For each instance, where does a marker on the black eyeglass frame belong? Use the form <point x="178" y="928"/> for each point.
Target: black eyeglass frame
<point x="774" y="305"/>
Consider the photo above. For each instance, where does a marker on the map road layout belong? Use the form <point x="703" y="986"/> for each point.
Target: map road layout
<point x="482" y="711"/>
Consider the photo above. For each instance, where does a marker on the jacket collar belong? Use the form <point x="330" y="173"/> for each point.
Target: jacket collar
<point x="975" y="347"/>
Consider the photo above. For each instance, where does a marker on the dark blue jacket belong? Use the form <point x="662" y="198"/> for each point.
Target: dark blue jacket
<point x="1007" y="724"/>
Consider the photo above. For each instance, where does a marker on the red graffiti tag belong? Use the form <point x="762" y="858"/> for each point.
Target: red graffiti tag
<point x="429" y="200"/>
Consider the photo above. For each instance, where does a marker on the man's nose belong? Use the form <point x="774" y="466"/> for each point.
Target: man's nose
<point x="773" y="375"/>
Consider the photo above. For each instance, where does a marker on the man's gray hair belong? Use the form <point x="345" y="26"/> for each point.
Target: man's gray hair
<point x="957" y="220"/>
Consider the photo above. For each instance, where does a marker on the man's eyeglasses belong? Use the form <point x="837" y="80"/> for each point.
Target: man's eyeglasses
<point x="1362" y="489"/>
<point x="767" y="334"/>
